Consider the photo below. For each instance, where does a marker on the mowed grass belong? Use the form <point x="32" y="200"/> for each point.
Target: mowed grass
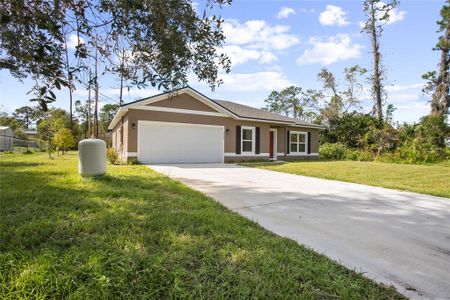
<point x="432" y="179"/>
<point x="136" y="234"/>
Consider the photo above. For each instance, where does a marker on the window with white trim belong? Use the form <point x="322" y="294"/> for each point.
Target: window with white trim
<point x="298" y="142"/>
<point x="247" y="139"/>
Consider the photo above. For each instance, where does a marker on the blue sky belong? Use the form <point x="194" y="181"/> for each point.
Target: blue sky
<point x="274" y="44"/>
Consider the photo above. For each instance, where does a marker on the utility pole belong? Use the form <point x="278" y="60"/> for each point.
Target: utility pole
<point x="121" y="77"/>
<point x="89" y="104"/>
<point x="96" y="93"/>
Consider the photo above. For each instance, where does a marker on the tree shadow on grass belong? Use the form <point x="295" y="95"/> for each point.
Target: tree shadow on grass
<point x="145" y="236"/>
<point x="8" y="164"/>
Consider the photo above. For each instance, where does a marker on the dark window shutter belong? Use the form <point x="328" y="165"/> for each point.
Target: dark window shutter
<point x="257" y="140"/>
<point x="288" y="138"/>
<point x="238" y="139"/>
<point x="309" y="142"/>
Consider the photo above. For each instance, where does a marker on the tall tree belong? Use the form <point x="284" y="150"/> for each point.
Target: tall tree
<point x="377" y="13"/>
<point x="107" y="113"/>
<point x="83" y="116"/>
<point x="439" y="83"/>
<point x="69" y="80"/>
<point x="24" y="115"/>
<point x="168" y="40"/>
<point x="333" y="108"/>
<point x="334" y="101"/>
<point x="354" y="87"/>
<point x="293" y="102"/>
<point x="274" y="103"/>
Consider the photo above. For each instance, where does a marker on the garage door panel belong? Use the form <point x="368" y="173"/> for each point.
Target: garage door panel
<point x="161" y="142"/>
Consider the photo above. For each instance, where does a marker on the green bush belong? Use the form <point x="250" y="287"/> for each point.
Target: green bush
<point x="447" y="153"/>
<point x="133" y="161"/>
<point x="333" y="151"/>
<point x="414" y="151"/>
<point x="113" y="156"/>
<point x="359" y="155"/>
<point x="352" y="130"/>
<point x="352" y="154"/>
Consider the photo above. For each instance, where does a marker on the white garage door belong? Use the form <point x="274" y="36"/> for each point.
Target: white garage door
<point x="165" y="142"/>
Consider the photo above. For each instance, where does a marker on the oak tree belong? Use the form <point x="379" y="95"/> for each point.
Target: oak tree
<point x="167" y="40"/>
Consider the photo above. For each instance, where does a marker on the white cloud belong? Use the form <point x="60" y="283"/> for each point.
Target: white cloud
<point x="267" y="57"/>
<point x="239" y="55"/>
<point x="285" y="12"/>
<point x="395" y="15"/>
<point x="399" y="88"/>
<point x="195" y="4"/>
<point x="333" y="15"/>
<point x="72" y="41"/>
<point x="257" y="34"/>
<point x="112" y="94"/>
<point x="335" y="48"/>
<point x="402" y="98"/>
<point x="260" y="81"/>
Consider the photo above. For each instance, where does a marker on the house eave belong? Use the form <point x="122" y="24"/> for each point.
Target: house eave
<point x="204" y="99"/>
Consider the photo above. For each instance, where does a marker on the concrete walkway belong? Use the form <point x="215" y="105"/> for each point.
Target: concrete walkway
<point x="398" y="238"/>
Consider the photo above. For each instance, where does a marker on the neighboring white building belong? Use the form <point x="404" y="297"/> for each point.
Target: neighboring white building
<point x="6" y="138"/>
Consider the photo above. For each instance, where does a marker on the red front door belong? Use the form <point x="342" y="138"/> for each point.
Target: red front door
<point x="271" y="145"/>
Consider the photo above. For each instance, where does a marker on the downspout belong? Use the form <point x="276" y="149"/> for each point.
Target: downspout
<point x="122" y="131"/>
<point x="285" y="142"/>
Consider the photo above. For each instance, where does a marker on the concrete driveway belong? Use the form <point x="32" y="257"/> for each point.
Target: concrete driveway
<point x="394" y="237"/>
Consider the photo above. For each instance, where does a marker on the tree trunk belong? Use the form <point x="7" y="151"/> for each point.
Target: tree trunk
<point x="376" y="80"/>
<point x="440" y="101"/>
<point x="69" y="79"/>
<point x="96" y="96"/>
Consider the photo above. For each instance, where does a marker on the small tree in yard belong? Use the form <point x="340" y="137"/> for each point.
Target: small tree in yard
<point x="64" y="140"/>
<point x="46" y="133"/>
<point x="47" y="129"/>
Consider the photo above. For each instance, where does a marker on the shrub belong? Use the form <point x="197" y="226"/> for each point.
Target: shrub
<point x="133" y="161"/>
<point x="352" y="154"/>
<point x="351" y="129"/>
<point x="359" y="155"/>
<point x="415" y="150"/>
<point x="447" y="153"/>
<point x="113" y="156"/>
<point x="333" y="151"/>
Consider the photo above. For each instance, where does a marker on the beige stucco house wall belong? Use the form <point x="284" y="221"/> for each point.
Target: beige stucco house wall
<point x="185" y="107"/>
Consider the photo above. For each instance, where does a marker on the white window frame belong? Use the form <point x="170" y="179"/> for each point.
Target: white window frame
<point x="253" y="140"/>
<point x="298" y="142"/>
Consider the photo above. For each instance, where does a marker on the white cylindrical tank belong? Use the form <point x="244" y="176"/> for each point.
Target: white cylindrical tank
<point x="92" y="157"/>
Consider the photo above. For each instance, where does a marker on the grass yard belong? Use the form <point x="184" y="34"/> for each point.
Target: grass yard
<point x="137" y="234"/>
<point x="430" y="179"/>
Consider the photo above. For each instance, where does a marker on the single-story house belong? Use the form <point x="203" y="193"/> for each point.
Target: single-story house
<point x="31" y="133"/>
<point x="186" y="126"/>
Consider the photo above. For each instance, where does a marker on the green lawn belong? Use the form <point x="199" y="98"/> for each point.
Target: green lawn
<point x="430" y="179"/>
<point x="137" y="234"/>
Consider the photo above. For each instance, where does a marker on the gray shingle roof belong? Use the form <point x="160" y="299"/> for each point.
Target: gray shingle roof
<point x="249" y="112"/>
